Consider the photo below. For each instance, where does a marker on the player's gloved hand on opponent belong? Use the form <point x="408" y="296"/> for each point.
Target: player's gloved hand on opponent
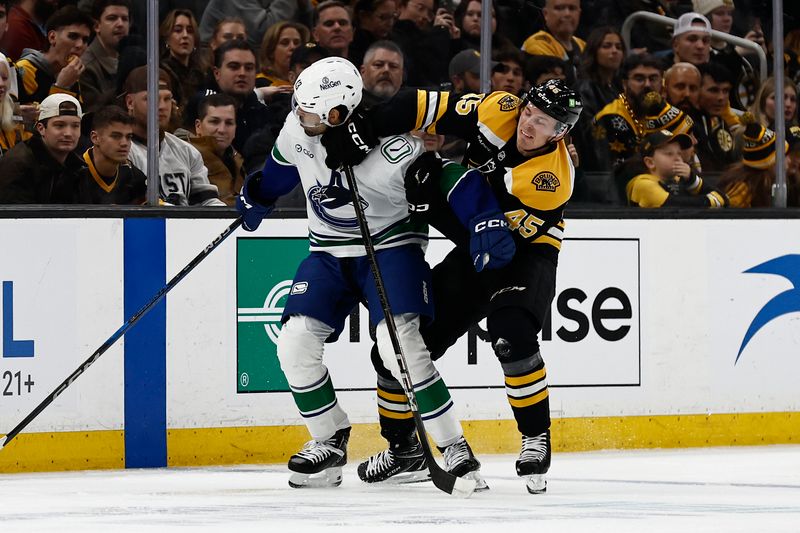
<point x="421" y="180"/>
<point x="349" y="143"/>
<point x="491" y="244"/>
<point x="250" y="207"/>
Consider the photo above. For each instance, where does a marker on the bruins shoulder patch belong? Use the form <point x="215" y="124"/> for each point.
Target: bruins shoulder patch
<point x="546" y="181"/>
<point x="508" y="103"/>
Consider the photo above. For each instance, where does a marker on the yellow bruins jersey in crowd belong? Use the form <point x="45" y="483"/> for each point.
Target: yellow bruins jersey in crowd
<point x="617" y="134"/>
<point x="543" y="43"/>
<point x="647" y="190"/>
<point x="38" y="82"/>
<point x="531" y="190"/>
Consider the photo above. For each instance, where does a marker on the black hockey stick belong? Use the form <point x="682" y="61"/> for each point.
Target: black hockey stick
<point x="442" y="479"/>
<point x="121" y="331"/>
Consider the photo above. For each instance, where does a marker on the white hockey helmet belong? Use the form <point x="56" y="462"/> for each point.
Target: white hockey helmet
<point x="327" y="84"/>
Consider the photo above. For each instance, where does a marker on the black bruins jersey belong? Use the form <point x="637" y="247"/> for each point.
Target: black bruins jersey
<point x="532" y="190"/>
<point x="128" y="186"/>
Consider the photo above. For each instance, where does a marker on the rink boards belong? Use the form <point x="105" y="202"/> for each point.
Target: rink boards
<point x="663" y="333"/>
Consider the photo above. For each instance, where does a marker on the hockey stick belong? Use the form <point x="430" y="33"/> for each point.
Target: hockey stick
<point x="442" y="479"/>
<point x="121" y="331"/>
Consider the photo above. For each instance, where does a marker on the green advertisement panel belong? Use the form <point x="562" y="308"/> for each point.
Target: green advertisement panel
<point x="264" y="271"/>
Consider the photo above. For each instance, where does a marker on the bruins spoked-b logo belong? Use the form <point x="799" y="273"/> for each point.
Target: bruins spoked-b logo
<point x="508" y="103"/>
<point x="546" y="181"/>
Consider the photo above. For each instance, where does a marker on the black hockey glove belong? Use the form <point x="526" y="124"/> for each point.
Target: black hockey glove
<point x="422" y="178"/>
<point x="349" y="143"/>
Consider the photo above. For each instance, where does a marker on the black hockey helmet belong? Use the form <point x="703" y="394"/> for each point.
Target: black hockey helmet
<point x="558" y="100"/>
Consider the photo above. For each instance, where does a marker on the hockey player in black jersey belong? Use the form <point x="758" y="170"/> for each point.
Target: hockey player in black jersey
<point x="518" y="144"/>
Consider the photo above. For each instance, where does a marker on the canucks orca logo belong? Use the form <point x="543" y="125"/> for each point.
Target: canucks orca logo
<point x="333" y="203"/>
<point x="788" y="267"/>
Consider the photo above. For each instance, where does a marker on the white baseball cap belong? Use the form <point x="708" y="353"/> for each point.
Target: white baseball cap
<point x="57" y="105"/>
<point x="691" y="22"/>
<point x="704" y="7"/>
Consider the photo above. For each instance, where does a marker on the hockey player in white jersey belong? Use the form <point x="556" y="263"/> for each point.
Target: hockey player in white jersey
<point x="336" y="275"/>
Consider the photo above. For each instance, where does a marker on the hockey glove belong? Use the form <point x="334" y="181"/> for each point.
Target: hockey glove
<point x="491" y="243"/>
<point x="251" y="210"/>
<point x="422" y="178"/>
<point x="349" y="143"/>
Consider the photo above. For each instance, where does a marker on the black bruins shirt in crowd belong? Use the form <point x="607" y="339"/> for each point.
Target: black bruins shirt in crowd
<point x="531" y="190"/>
<point x="128" y="186"/>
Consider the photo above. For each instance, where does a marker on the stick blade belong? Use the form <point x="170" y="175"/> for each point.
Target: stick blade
<point x="447" y="482"/>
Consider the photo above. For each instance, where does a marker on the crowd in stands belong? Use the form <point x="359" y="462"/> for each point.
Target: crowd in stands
<point x="675" y="117"/>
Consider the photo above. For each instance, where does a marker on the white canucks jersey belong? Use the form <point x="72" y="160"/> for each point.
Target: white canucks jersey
<point x="332" y="223"/>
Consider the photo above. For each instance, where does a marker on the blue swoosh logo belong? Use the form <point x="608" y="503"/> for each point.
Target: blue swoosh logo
<point x="787" y="267"/>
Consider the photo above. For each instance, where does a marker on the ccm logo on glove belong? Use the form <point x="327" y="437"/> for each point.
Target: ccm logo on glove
<point x="490" y="224"/>
<point x="357" y="140"/>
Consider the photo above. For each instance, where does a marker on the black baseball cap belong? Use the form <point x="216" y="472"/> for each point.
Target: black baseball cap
<point x="657" y="139"/>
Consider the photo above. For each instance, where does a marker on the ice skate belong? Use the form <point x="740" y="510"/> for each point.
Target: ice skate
<point x="534" y="462"/>
<point x="461" y="462"/>
<point x="319" y="464"/>
<point x="403" y="464"/>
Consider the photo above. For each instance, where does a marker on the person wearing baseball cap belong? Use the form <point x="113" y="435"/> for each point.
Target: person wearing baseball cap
<point x="669" y="181"/>
<point x="744" y="78"/>
<point x="183" y="176"/>
<point x="464" y="71"/>
<point x="691" y="39"/>
<point x="44" y="169"/>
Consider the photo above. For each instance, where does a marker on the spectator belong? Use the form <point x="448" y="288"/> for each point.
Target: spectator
<point x="669" y="181"/>
<point x="227" y="29"/>
<point x="744" y="79"/>
<point x="373" y="22"/>
<point x="418" y="39"/>
<point x="180" y="56"/>
<point x="99" y="78"/>
<point x="4" y="6"/>
<point x="382" y="70"/>
<point x="465" y="72"/>
<point x="26" y="23"/>
<point x="557" y="39"/>
<point x="44" y="169"/>
<point x="333" y="27"/>
<point x="764" y="107"/>
<point x="599" y="83"/>
<point x="691" y="39"/>
<point x="714" y="122"/>
<point x="258" y="15"/>
<point x="304" y="56"/>
<point x="748" y="183"/>
<point x="618" y="126"/>
<point x="539" y="69"/>
<point x="682" y="86"/>
<point x="507" y="71"/>
<point x="183" y="179"/>
<point x="215" y="129"/>
<point x="58" y="68"/>
<point x="279" y="42"/>
<point x="11" y="132"/>
<point x="109" y="178"/>
<point x="467" y="18"/>
<point x="793" y="167"/>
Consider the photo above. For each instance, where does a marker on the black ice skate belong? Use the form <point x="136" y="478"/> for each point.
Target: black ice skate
<point x="401" y="464"/>
<point x="461" y="462"/>
<point x="534" y="461"/>
<point x="319" y="463"/>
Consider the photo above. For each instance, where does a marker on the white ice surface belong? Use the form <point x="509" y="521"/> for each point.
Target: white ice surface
<point x="749" y="489"/>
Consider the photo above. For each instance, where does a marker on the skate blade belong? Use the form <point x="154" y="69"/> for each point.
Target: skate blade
<point x="405" y="478"/>
<point x="480" y="483"/>
<point x="536" y="483"/>
<point x="330" y="477"/>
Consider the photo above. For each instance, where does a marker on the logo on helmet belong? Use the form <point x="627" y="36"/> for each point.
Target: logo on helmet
<point x="546" y="181"/>
<point x="328" y="84"/>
